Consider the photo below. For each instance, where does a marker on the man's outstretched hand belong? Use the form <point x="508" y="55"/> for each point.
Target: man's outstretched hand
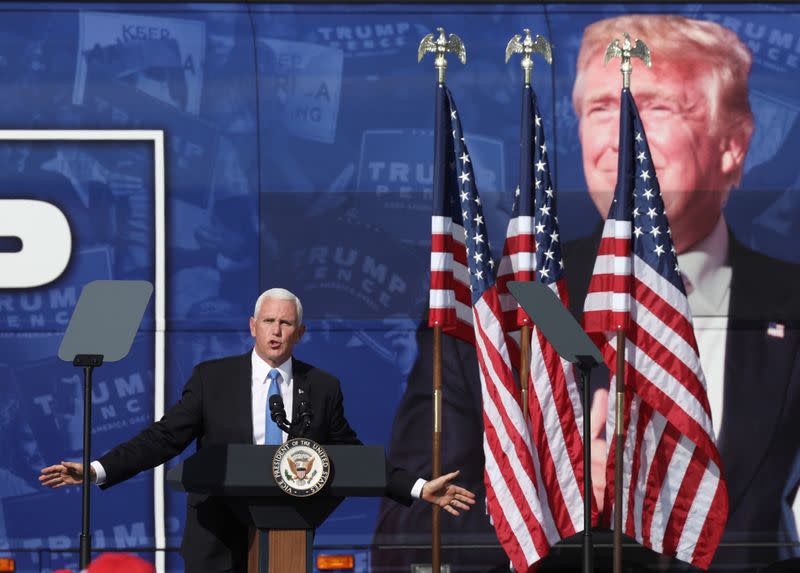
<point x="65" y="473"/>
<point x="446" y="495"/>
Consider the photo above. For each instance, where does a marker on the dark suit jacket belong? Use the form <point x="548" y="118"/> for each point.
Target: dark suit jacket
<point x="215" y="408"/>
<point x="759" y="440"/>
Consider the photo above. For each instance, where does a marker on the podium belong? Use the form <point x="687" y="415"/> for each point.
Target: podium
<point x="282" y="526"/>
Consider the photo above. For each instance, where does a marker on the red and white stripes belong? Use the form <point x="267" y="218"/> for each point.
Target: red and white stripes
<point x="517" y="502"/>
<point x="674" y="497"/>
<point x="518" y="264"/>
<point x="556" y="416"/>
<point x="450" y="298"/>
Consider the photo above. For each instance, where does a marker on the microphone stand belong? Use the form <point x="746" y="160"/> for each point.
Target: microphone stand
<point x="305" y="416"/>
<point x="277" y="414"/>
<point x="584" y="366"/>
<point x="282" y="425"/>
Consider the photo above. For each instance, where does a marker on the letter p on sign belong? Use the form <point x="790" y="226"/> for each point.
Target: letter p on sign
<point x="46" y="243"/>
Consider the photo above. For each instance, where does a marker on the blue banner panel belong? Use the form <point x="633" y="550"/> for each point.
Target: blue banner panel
<point x="43" y="399"/>
<point x="131" y="529"/>
<point x="364" y="251"/>
<point x="298" y="153"/>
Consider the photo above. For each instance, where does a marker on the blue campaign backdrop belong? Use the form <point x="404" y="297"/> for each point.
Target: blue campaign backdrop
<point x="298" y="152"/>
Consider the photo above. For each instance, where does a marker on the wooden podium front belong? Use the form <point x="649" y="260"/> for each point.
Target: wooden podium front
<point x="289" y="550"/>
<point x="281" y="526"/>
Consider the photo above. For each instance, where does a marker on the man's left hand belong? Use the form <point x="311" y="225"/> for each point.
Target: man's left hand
<point x="446" y="495"/>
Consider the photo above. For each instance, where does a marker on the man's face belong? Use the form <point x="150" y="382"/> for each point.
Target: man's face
<point x="276" y="330"/>
<point x="689" y="154"/>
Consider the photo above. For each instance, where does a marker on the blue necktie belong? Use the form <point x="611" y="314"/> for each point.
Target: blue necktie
<point x="274" y="435"/>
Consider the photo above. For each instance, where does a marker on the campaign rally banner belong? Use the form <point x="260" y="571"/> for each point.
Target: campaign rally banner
<point x="298" y="153"/>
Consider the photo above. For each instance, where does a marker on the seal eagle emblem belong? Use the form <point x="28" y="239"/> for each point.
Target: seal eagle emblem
<point x="301" y="467"/>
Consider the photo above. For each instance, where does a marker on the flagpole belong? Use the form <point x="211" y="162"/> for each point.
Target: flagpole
<point x="524" y="367"/>
<point x="624" y="50"/>
<point x="439" y="46"/>
<point x="526" y="46"/>
<point x="619" y="444"/>
<point x="436" y="462"/>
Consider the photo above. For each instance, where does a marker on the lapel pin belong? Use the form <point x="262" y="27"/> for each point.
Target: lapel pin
<point x="776" y="330"/>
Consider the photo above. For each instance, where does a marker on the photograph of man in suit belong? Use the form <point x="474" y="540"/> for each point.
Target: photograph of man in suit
<point x="225" y="401"/>
<point x="695" y="108"/>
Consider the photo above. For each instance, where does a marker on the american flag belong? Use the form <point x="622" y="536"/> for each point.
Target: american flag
<point x="450" y="304"/>
<point x="533" y="251"/>
<point x="675" y="499"/>
<point x="525" y="527"/>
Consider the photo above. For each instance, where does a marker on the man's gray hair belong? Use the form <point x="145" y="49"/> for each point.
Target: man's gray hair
<point x="280" y="294"/>
<point x="677" y="38"/>
<point x="724" y="58"/>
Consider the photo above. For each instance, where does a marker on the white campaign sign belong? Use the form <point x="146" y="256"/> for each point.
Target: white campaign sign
<point x="46" y="243"/>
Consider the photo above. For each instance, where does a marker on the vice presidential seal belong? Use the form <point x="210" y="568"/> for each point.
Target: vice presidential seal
<point x="301" y="467"/>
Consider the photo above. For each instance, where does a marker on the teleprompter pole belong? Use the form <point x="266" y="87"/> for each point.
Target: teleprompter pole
<point x="554" y="321"/>
<point x="88" y="362"/>
<point x="588" y="547"/>
<point x="101" y="329"/>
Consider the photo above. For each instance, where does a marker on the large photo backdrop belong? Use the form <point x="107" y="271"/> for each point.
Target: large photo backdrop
<point x="298" y="153"/>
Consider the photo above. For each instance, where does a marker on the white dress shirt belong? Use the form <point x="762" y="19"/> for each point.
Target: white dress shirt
<point x="260" y="387"/>
<point x="707" y="277"/>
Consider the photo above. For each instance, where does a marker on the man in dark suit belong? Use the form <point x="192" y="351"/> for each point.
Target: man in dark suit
<point x="225" y="401"/>
<point x="758" y="429"/>
<point x="694" y="104"/>
<point x="699" y="123"/>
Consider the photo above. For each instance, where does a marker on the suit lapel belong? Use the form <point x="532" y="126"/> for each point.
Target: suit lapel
<point x="300" y="388"/>
<point x="241" y="393"/>
<point x="756" y="375"/>
<point x="757" y="372"/>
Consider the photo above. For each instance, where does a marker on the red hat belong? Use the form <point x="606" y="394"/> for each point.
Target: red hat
<point x="120" y="562"/>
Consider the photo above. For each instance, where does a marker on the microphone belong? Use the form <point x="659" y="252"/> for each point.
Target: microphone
<point x="306" y="414"/>
<point x="277" y="412"/>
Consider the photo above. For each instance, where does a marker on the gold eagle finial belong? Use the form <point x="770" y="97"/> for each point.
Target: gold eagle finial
<point x="626" y="51"/>
<point x="527" y="47"/>
<point x="440" y="46"/>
